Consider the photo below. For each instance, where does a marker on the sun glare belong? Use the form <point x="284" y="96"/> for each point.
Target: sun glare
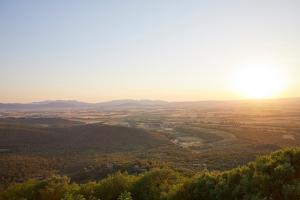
<point x="258" y="82"/>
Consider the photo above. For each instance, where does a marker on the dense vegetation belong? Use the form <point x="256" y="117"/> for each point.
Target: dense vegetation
<point x="272" y="177"/>
<point x="41" y="147"/>
<point x="31" y="139"/>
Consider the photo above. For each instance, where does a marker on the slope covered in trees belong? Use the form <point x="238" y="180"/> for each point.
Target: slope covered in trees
<point x="24" y="138"/>
<point x="273" y="177"/>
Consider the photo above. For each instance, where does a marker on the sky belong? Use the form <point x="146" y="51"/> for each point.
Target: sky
<point x="171" y="50"/>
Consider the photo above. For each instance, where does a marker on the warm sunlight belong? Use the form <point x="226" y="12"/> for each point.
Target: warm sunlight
<point x="132" y="100"/>
<point x="259" y="81"/>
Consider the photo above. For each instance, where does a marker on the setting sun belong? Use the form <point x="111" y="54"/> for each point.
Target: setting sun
<point x="142" y="100"/>
<point x="259" y="81"/>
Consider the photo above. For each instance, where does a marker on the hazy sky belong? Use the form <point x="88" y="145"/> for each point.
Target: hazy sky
<point x="144" y="49"/>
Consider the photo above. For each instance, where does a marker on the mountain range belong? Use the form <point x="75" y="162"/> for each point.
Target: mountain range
<point x="72" y="104"/>
<point x="130" y="103"/>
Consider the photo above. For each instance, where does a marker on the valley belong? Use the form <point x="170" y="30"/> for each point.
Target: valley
<point x="90" y="143"/>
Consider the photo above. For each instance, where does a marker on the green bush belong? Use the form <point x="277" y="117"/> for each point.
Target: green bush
<point x="157" y="184"/>
<point x="111" y="187"/>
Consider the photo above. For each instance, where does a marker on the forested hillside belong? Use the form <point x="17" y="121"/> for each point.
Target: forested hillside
<point x="25" y="138"/>
<point x="273" y="177"/>
<point x="83" y="152"/>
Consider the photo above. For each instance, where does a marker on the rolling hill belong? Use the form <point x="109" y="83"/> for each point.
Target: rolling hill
<point x="98" y="137"/>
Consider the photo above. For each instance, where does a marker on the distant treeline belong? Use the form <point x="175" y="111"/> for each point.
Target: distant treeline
<point x="272" y="177"/>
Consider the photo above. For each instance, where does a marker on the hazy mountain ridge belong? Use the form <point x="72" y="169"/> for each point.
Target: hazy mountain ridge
<point x="73" y="104"/>
<point x="131" y="103"/>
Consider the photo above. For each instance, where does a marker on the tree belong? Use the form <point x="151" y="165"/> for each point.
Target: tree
<point x="157" y="184"/>
<point x="111" y="187"/>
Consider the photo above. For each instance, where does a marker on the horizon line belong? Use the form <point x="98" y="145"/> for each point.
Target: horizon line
<point x="166" y="101"/>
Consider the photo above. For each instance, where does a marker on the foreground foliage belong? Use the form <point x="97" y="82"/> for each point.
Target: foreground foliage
<point x="273" y="177"/>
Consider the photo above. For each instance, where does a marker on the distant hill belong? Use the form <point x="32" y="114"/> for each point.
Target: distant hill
<point x="141" y="104"/>
<point x="128" y="103"/>
<point x="91" y="137"/>
<point x="62" y="104"/>
<point x="58" y="104"/>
